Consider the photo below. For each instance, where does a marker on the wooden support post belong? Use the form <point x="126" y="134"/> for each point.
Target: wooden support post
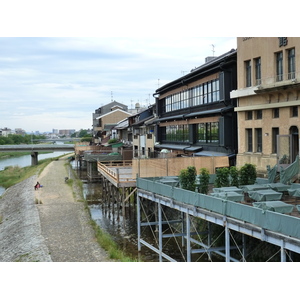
<point x="188" y="235"/>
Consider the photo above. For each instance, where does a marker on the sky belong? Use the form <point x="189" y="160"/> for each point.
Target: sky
<point x="57" y="82"/>
<point x="61" y="60"/>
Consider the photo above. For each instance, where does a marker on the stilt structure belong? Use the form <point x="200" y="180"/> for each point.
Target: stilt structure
<point x="234" y="220"/>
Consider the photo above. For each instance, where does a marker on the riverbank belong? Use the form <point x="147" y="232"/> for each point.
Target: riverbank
<point x="58" y="229"/>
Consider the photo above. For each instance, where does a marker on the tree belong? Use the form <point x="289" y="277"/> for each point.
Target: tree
<point x="222" y="177"/>
<point x="187" y="178"/>
<point x="248" y="174"/>
<point x="204" y="181"/>
<point x="234" y="175"/>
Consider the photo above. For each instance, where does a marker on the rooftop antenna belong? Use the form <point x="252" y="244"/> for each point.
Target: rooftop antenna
<point x="182" y="72"/>
<point x="158" y="83"/>
<point x="213" y="49"/>
<point x="111" y="94"/>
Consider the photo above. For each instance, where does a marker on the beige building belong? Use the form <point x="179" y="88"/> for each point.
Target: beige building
<point x="109" y="120"/>
<point x="268" y="70"/>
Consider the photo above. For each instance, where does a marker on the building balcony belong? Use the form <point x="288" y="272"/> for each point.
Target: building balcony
<point x="269" y="84"/>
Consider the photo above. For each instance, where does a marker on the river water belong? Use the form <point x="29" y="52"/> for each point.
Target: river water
<point x="24" y="161"/>
<point x="123" y="229"/>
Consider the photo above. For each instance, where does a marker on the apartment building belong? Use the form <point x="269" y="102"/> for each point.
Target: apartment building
<point x="195" y="112"/>
<point x="106" y="117"/>
<point x="268" y="70"/>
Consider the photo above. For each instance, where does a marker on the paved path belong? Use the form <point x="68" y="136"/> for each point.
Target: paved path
<point x="65" y="223"/>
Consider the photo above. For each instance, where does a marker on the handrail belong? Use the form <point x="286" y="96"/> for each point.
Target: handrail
<point x="114" y="173"/>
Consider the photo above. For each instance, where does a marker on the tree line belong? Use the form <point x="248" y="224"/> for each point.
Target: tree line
<point x="17" y="139"/>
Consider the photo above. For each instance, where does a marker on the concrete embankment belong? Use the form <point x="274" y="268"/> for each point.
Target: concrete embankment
<point x="58" y="229"/>
<point x="20" y="228"/>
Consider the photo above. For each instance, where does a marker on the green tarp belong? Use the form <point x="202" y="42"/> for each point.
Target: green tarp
<point x="266" y="219"/>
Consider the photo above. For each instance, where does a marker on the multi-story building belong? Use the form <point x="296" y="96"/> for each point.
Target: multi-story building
<point x="106" y="117"/>
<point x="142" y="127"/>
<point x="195" y="112"/>
<point x="268" y="70"/>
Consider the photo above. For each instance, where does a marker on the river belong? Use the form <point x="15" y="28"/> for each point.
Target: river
<point x="124" y="230"/>
<point x="24" y="161"/>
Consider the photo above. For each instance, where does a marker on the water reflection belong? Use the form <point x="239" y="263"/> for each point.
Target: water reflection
<point x="123" y="228"/>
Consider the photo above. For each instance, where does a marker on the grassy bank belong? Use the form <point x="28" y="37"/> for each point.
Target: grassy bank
<point x="4" y="155"/>
<point x="104" y="239"/>
<point x="14" y="174"/>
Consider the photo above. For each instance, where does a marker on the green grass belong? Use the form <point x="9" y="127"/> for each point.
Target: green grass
<point x="4" y="155"/>
<point x="107" y="243"/>
<point x="104" y="239"/>
<point x="14" y="174"/>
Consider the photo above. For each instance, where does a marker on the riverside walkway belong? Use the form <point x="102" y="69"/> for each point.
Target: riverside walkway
<point x="49" y="224"/>
<point x="64" y="221"/>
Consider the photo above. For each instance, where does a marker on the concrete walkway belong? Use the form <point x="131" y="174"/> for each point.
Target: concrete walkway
<point x="65" y="223"/>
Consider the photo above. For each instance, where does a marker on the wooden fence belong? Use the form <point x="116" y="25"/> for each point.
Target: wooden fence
<point x="172" y="166"/>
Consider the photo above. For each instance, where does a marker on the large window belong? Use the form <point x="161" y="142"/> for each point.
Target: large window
<point x="177" y="133"/>
<point x="258" y="70"/>
<point x="275" y="132"/>
<point x="249" y="141"/>
<point x="248" y="73"/>
<point x="276" y="112"/>
<point x="291" y="63"/>
<point x="208" y="132"/>
<point x="258" y="138"/>
<point x="279" y="66"/>
<point x="205" y="93"/>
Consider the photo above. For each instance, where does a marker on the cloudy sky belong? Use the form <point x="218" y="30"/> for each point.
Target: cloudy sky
<point x="61" y="60"/>
<point x="49" y="82"/>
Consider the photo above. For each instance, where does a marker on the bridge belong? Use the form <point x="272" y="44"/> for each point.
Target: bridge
<point x="58" y="140"/>
<point x="36" y="148"/>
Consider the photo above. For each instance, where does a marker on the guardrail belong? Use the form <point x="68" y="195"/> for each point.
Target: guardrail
<point x="118" y="173"/>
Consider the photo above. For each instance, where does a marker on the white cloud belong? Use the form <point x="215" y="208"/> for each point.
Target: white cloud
<point x="50" y="83"/>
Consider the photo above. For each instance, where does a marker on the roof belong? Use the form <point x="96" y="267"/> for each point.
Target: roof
<point x="114" y="111"/>
<point x="203" y="70"/>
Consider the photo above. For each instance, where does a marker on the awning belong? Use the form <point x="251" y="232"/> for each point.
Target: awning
<point x="213" y="153"/>
<point x="179" y="147"/>
<point x="195" y="148"/>
<point x="170" y="118"/>
<point x="207" y="112"/>
<point x="171" y="146"/>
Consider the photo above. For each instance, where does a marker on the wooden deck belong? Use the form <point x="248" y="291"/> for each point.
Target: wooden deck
<point x="118" y="173"/>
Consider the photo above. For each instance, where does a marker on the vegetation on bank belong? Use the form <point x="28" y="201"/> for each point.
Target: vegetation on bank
<point x="103" y="238"/>
<point x="17" y="139"/>
<point x="14" y="174"/>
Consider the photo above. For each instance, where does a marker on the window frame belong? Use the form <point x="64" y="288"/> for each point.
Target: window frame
<point x="279" y="66"/>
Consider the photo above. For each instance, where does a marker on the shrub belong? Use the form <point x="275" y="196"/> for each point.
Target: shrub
<point x="234" y="175"/>
<point x="187" y="178"/>
<point x="222" y="177"/>
<point x="204" y="181"/>
<point x="248" y="174"/>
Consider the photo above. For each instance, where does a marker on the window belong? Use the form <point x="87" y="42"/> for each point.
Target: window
<point x="258" y="138"/>
<point x="294" y="111"/>
<point x="208" y="132"/>
<point x="291" y="63"/>
<point x="279" y="67"/>
<point x="259" y="114"/>
<point x="275" y="132"/>
<point x="248" y="73"/>
<point x="258" y="70"/>
<point x="177" y="133"/>
<point x="249" y="145"/>
<point x="275" y="113"/>
<point x="204" y="93"/>
<point x="249" y="115"/>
